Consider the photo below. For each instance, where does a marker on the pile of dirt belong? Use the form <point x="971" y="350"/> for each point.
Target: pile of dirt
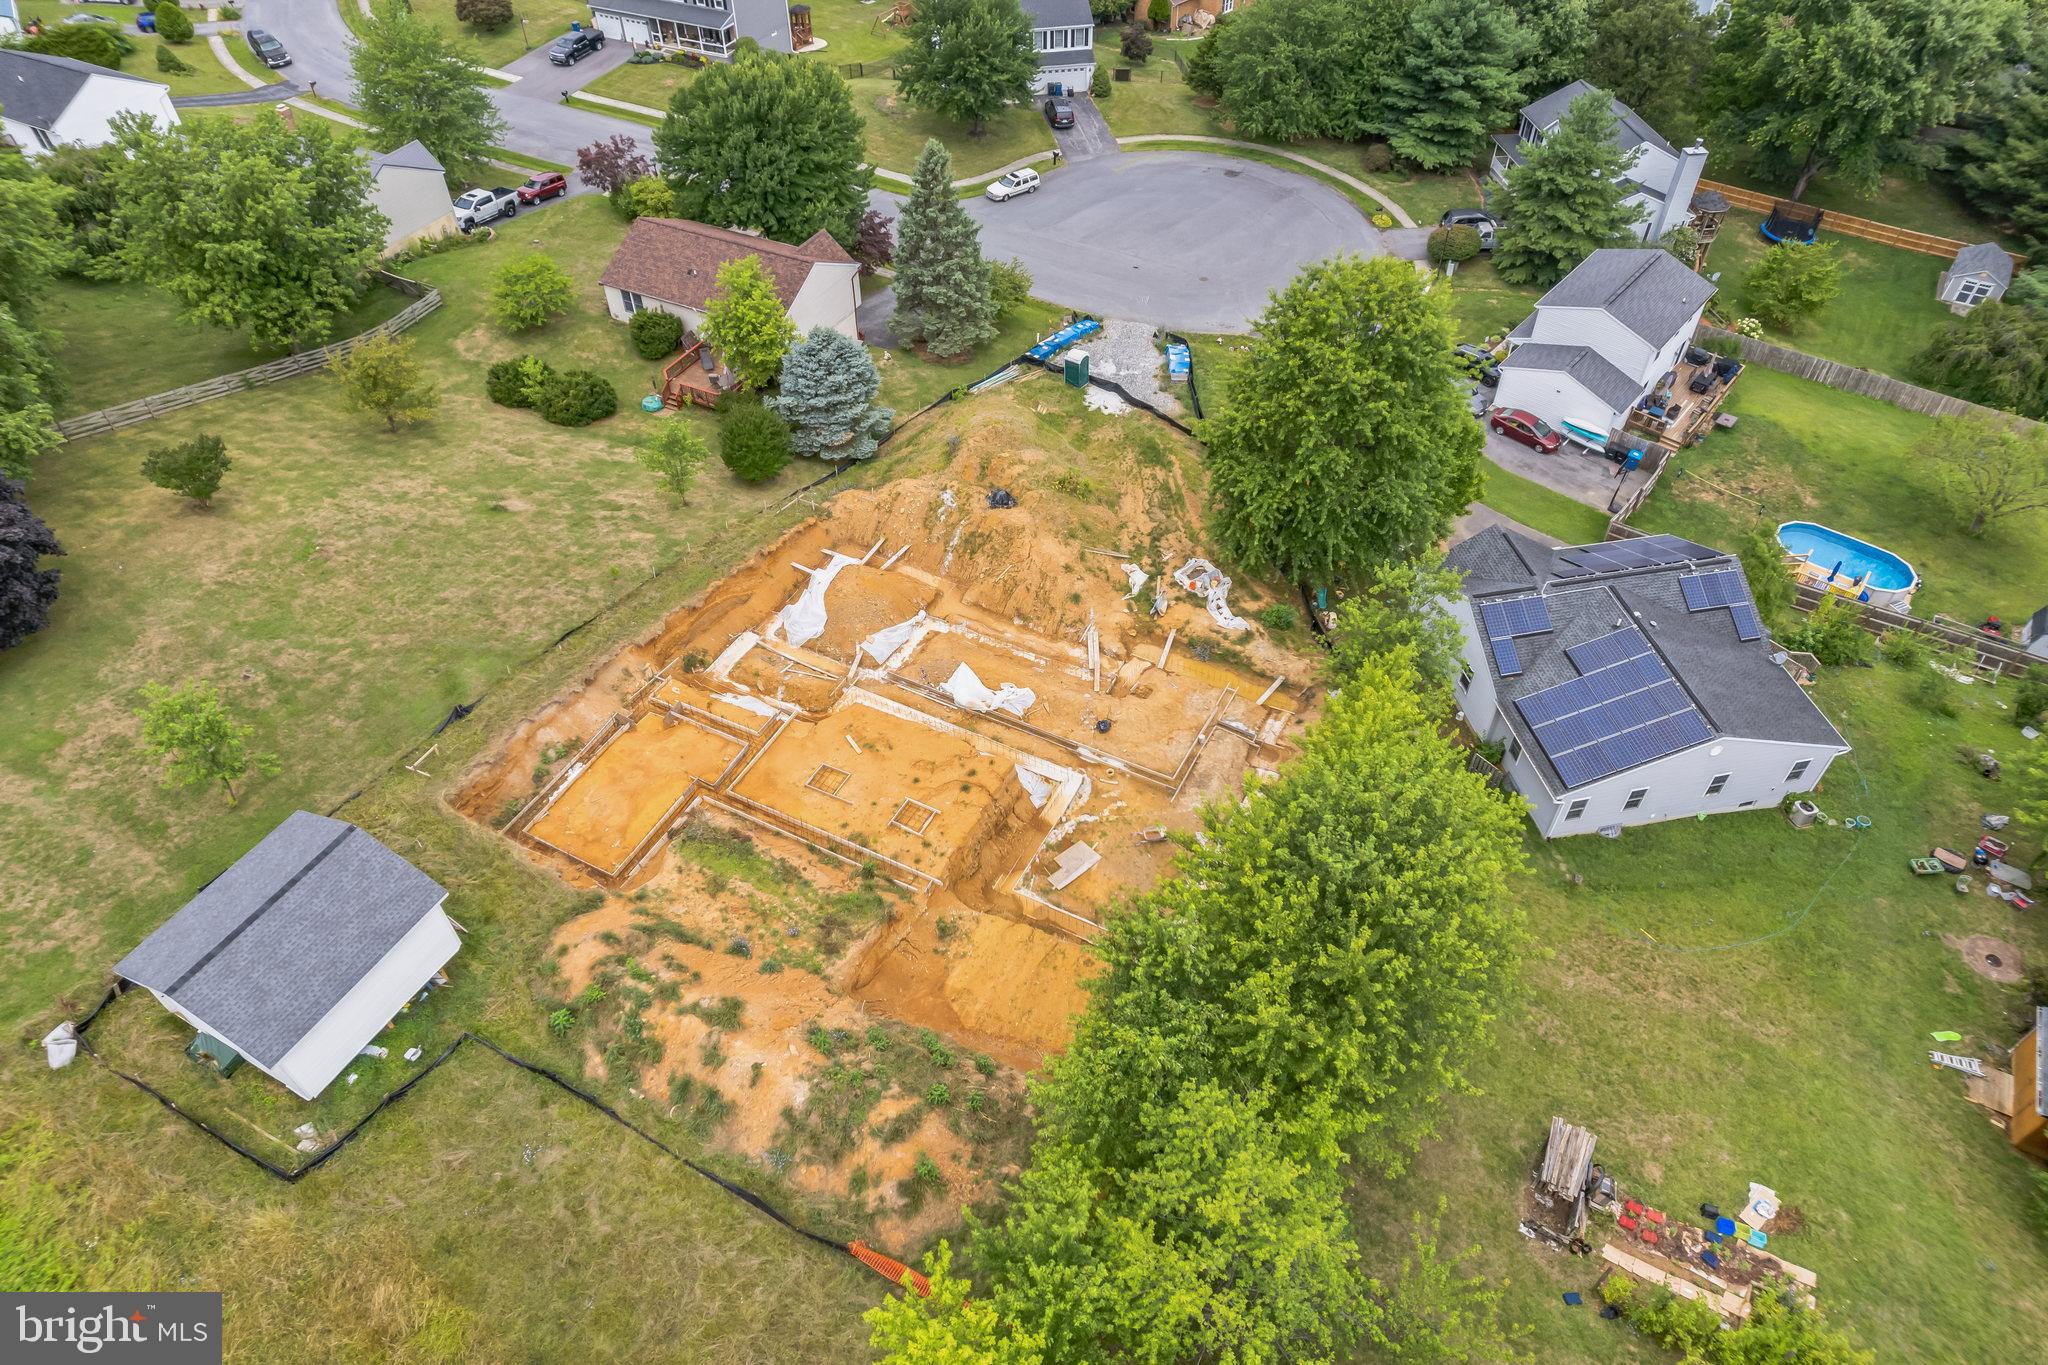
<point x="1991" y="958"/>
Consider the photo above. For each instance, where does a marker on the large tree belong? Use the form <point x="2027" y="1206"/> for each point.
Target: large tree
<point x="1989" y="469"/>
<point x="1567" y="198"/>
<point x="414" y="81"/>
<point x="2002" y="161"/>
<point x="767" y="142"/>
<point x="1652" y="54"/>
<point x="1997" y="356"/>
<point x="1287" y="69"/>
<point x="28" y="423"/>
<point x="746" y="324"/>
<point x="32" y="250"/>
<point x="944" y="289"/>
<point x="828" y="395"/>
<point x="1455" y="81"/>
<point x="1556" y="36"/>
<point x="1346" y="441"/>
<point x="967" y="59"/>
<point x="1840" y="85"/>
<point x="1791" y="282"/>
<point x="1406" y="607"/>
<point x="257" y="225"/>
<point x="27" y="589"/>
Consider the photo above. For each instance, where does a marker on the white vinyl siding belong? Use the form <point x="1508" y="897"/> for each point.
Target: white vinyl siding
<point x="1577" y="809"/>
<point x="1719" y="784"/>
<point x="1061" y="39"/>
<point x="1798" y="770"/>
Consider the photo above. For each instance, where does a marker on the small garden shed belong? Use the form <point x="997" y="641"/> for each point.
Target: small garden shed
<point x="1980" y="274"/>
<point x="295" y="957"/>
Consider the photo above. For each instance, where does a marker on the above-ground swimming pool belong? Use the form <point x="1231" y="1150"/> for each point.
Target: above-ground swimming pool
<point x="1833" y="558"/>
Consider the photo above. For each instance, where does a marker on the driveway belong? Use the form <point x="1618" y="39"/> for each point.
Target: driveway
<point x="1090" y="135"/>
<point x="1185" y="240"/>
<point x="1590" y="479"/>
<point x="534" y="66"/>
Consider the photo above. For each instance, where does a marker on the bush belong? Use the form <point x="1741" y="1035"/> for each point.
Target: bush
<point x="655" y="333"/>
<point x="1905" y="648"/>
<point x="1099" y="87"/>
<point x="577" y="398"/>
<point x="1383" y="220"/>
<point x="173" y="25"/>
<point x="1618" y="1291"/>
<point x="1460" y="244"/>
<point x="529" y="291"/>
<point x="2030" y="702"/>
<point x="192" y="470"/>
<point x="517" y="383"/>
<point x="1933" y="692"/>
<point x="753" y="442"/>
<point x="647" y="197"/>
<point x="1279" y="616"/>
<point x="1137" y="44"/>
<point x="1831" y="634"/>
<point x="1009" y="282"/>
<point x="169" y="61"/>
<point x="488" y="15"/>
<point x="1159" y="13"/>
<point x="1378" y="158"/>
<point x="230" y="12"/>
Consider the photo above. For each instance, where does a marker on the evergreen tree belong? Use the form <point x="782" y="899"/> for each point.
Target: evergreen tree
<point x="828" y="398"/>
<point x="1792" y="282"/>
<point x="944" y="290"/>
<point x="1566" y="199"/>
<point x="752" y="441"/>
<point x="1556" y="36"/>
<point x="173" y="25"/>
<point x="967" y="59"/>
<point x="767" y="142"/>
<point x="1652" y="54"/>
<point x="2002" y="162"/>
<point x="746" y="324"/>
<point x="27" y="589"/>
<point x="1346" y="442"/>
<point x="1454" y="82"/>
<point x="414" y="81"/>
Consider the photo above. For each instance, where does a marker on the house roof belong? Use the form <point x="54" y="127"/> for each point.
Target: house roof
<point x="1987" y="258"/>
<point x="413" y="156"/>
<point x="270" y="946"/>
<point x="704" y="16"/>
<point x="1630" y="131"/>
<point x="1593" y="371"/>
<point x="676" y="260"/>
<point x="1511" y="147"/>
<point x="1646" y="289"/>
<point x="36" y="88"/>
<point x="1737" y="687"/>
<point x="1060" y="14"/>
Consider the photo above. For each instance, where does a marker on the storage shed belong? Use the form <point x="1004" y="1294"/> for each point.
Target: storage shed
<point x="296" y="956"/>
<point x="1980" y="274"/>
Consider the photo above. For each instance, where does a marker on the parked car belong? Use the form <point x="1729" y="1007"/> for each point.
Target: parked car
<point x="99" y="19"/>
<point x="1479" y="219"/>
<point x="546" y="185"/>
<point x="573" y="46"/>
<point x="1015" y="183"/>
<point x="145" y="21"/>
<point x="268" y="49"/>
<point x="481" y="206"/>
<point x="1479" y="362"/>
<point x="1059" y="113"/>
<point x="1525" y="427"/>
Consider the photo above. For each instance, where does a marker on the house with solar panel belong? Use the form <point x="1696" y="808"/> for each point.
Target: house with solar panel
<point x="297" y="956"/>
<point x="1629" y="682"/>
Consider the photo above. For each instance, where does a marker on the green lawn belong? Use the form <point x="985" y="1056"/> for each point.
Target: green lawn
<point x="116" y="342"/>
<point x="908" y="383"/>
<point x="854" y="32"/>
<point x="1921" y="203"/>
<point x="650" y="83"/>
<point x="1483" y="305"/>
<point x="1426" y="197"/>
<point x="1804" y="452"/>
<point x="1736" y="1000"/>
<point x="208" y="76"/>
<point x="546" y="20"/>
<point x="1570" y="521"/>
<point x="896" y="132"/>
<point x="1882" y="316"/>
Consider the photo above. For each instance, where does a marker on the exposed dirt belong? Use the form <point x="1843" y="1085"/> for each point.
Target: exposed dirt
<point x="1991" y="958"/>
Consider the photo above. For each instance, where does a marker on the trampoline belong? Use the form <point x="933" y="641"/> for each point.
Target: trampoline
<point x="1791" y="222"/>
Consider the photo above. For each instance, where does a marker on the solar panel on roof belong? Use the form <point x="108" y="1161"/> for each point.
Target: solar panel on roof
<point x="1705" y="591"/>
<point x="1747" y="626"/>
<point x="1603" y="650"/>
<point x="1506" y="657"/>
<point x="1515" y="616"/>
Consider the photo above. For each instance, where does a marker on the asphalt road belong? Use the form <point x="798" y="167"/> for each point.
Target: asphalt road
<point x="1187" y="240"/>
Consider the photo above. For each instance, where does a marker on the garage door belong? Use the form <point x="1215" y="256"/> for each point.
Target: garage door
<point x="1073" y="79"/>
<point x="637" y="31"/>
<point x="609" y="25"/>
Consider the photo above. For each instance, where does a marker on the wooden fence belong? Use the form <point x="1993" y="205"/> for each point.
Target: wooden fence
<point x="156" y="405"/>
<point x="1989" y="654"/>
<point x="1848" y="378"/>
<point x="1926" y="243"/>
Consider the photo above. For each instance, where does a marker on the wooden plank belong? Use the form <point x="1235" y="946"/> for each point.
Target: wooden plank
<point x="1848" y="224"/>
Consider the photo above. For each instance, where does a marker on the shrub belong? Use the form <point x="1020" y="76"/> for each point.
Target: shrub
<point x="488" y="15"/>
<point x="529" y="291"/>
<point x="1009" y="283"/>
<point x="1831" y="634"/>
<point x="647" y="197"/>
<point x="938" y="1095"/>
<point x="169" y="61"/>
<point x="1935" y="693"/>
<point x="577" y="398"/>
<point x="560" y="1022"/>
<point x="655" y="333"/>
<point x="1383" y="220"/>
<point x="173" y="25"/>
<point x="1378" y="158"/>
<point x="2030" y="702"/>
<point x="1159" y="13"/>
<point x="1099" y="87"/>
<point x="1618" y="1291"/>
<point x="1460" y="244"/>
<point x="230" y="12"/>
<point x="1279" y="616"/>
<point x="192" y="470"/>
<point x="927" y="1172"/>
<point x="517" y="383"/>
<point x="1137" y="43"/>
<point x="1905" y="648"/>
<point x="753" y="442"/>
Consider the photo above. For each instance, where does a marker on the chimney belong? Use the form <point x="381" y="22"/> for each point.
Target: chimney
<point x="1685" y="181"/>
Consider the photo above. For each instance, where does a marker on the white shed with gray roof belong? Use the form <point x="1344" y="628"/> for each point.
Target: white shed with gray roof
<point x="300" y="953"/>
<point x="1979" y="274"/>
<point x="1629" y="682"/>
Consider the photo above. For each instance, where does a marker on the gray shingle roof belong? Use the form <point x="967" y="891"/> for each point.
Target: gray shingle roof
<point x="267" y="948"/>
<point x="672" y="10"/>
<point x="412" y="156"/>
<point x="1645" y="289"/>
<point x="1060" y="14"/>
<point x="1734" y="683"/>
<point x="1988" y="257"/>
<point x="36" y="88"/>
<point x="1599" y="377"/>
<point x="1631" y="131"/>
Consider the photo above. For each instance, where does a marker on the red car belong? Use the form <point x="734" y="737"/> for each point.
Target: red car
<point x="1525" y="427"/>
<point x="548" y="185"/>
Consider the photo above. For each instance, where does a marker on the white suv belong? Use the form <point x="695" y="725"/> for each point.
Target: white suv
<point x="1012" y="185"/>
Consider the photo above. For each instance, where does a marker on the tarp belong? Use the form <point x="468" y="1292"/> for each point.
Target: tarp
<point x="1199" y="575"/>
<point x="60" y="1044"/>
<point x="803" y="620"/>
<point x="968" y="691"/>
<point x="884" y="643"/>
<point x="1138" y="579"/>
<point x="1039" y="789"/>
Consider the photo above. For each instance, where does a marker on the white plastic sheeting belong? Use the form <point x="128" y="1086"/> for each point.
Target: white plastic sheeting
<point x="743" y="702"/>
<point x="60" y="1044"/>
<point x="1039" y="789"/>
<point x="803" y="620"/>
<point x="1199" y="575"/>
<point x="1138" y="579"/>
<point x="970" y="692"/>
<point x="884" y="643"/>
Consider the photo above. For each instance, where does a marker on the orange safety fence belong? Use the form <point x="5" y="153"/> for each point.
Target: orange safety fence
<point x="890" y="1269"/>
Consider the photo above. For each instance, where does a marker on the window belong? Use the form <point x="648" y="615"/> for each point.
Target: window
<point x="1635" y="798"/>
<point x="43" y="140"/>
<point x="1799" y="770"/>
<point x="1514" y="747"/>
<point x="1714" y="787"/>
<point x="634" y="303"/>
<point x="1464" y="676"/>
<point x="1972" y="293"/>
<point x="1578" y="808"/>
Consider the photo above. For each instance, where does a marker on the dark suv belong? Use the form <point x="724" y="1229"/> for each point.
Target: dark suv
<point x="1059" y="113"/>
<point x="574" y="46"/>
<point x="268" y="48"/>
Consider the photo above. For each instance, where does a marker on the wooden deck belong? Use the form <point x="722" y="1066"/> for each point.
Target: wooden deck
<point x="685" y="381"/>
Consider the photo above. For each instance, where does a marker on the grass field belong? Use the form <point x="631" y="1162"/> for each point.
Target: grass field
<point x="1920" y="202"/>
<point x="650" y="83"/>
<point x="208" y="76"/>
<point x="1797" y="1060"/>
<point x="853" y="32"/>
<point x="896" y="132"/>
<point x="1805" y="452"/>
<point x="1883" y="315"/>
<point x="1483" y="305"/>
<point x="546" y="20"/>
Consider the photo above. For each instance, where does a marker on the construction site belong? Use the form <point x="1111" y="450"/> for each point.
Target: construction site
<point x="916" y="749"/>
